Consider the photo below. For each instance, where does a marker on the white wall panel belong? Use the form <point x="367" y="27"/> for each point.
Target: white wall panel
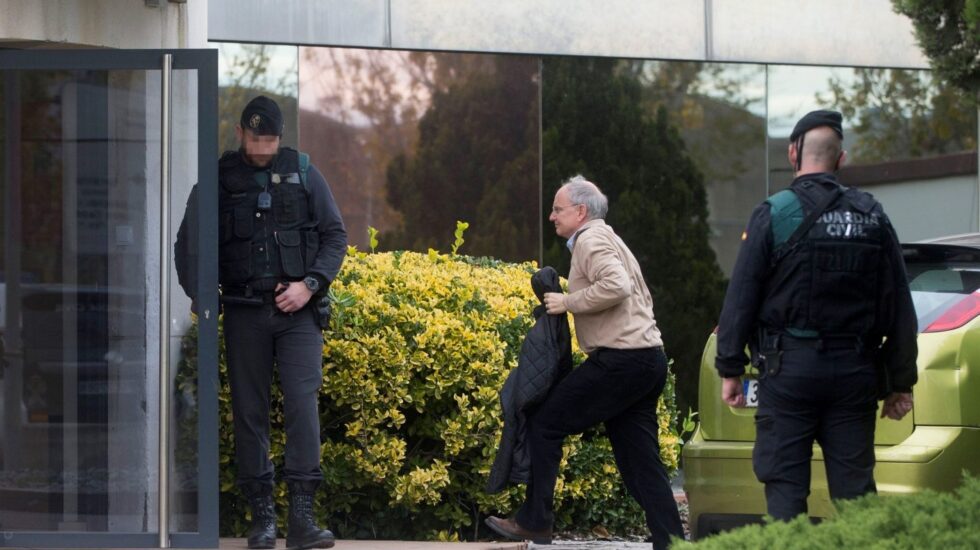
<point x="819" y="32"/>
<point x="618" y="28"/>
<point x="328" y="22"/>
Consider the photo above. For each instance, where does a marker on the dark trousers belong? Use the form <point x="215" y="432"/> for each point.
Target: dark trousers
<point x="619" y="388"/>
<point x="256" y="338"/>
<point x="826" y="396"/>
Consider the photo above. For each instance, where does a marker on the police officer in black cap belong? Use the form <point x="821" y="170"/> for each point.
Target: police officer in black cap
<point x="820" y="296"/>
<point x="281" y="243"/>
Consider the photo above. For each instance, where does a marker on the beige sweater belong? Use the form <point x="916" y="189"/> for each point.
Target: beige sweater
<point x="606" y="293"/>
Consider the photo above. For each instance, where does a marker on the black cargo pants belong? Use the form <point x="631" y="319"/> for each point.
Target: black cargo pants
<point x="823" y="395"/>
<point x="256" y="339"/>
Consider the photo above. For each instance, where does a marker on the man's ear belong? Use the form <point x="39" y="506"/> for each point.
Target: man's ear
<point x="239" y="133"/>
<point x="841" y="160"/>
<point x="791" y="154"/>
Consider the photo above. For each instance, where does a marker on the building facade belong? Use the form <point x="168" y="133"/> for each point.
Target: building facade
<point x="419" y="113"/>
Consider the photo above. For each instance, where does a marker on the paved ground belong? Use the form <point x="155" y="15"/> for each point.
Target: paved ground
<point x="236" y="544"/>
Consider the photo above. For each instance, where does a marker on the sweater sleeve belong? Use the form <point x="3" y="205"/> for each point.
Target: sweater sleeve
<point x="609" y="282"/>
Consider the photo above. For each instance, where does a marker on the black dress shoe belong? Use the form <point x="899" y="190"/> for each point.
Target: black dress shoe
<point x="511" y="529"/>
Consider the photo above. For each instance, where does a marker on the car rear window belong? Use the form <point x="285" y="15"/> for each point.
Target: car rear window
<point x="939" y="277"/>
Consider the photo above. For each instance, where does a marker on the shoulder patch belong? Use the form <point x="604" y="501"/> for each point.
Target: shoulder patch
<point x="786" y="214"/>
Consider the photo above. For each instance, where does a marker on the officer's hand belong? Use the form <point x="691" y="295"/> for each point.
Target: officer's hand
<point x="731" y="391"/>
<point x="292" y="297"/>
<point x="896" y="405"/>
<point x="554" y="303"/>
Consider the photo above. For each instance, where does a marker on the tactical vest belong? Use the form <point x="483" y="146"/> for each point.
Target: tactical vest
<point x="267" y="230"/>
<point x="826" y="284"/>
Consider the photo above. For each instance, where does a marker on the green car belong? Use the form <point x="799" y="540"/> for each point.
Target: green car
<point x="928" y="449"/>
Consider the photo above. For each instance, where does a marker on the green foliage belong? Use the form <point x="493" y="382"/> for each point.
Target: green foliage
<point x="373" y="238"/>
<point x="948" y="31"/>
<point x="595" y="122"/>
<point x="416" y="354"/>
<point x="461" y="228"/>
<point x="899" y="114"/>
<point x="923" y="520"/>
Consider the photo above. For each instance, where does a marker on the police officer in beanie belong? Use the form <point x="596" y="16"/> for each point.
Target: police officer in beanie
<point x="820" y="296"/>
<point x="281" y="243"/>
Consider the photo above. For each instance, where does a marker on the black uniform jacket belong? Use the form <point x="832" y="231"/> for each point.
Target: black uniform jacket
<point x="546" y="357"/>
<point x="329" y="226"/>
<point x="739" y="321"/>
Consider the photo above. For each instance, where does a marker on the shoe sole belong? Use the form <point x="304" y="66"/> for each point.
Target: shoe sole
<point x="508" y="536"/>
<point x="317" y="544"/>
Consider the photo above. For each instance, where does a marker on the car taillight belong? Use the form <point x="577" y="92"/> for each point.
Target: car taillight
<point x="960" y="314"/>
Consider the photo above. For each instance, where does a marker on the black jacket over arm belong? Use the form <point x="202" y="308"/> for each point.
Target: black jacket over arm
<point x="546" y="357"/>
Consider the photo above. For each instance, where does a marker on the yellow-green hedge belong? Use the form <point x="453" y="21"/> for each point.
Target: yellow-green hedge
<point x="417" y="351"/>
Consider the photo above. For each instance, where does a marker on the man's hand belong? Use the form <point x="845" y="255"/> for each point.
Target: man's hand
<point x="731" y="391"/>
<point x="896" y="405"/>
<point x="554" y="303"/>
<point x="292" y="297"/>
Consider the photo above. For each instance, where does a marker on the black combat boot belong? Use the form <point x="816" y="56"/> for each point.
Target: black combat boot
<point x="303" y="531"/>
<point x="262" y="532"/>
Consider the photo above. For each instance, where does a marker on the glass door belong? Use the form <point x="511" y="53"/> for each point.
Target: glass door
<point x="106" y="437"/>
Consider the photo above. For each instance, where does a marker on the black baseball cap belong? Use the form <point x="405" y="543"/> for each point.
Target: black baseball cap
<point x="263" y="117"/>
<point x="816" y="119"/>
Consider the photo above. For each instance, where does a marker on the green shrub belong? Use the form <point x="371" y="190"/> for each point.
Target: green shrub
<point x="417" y="351"/>
<point x="928" y="519"/>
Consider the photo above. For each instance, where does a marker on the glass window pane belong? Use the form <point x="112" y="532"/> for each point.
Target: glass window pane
<point x="184" y="367"/>
<point x="911" y="141"/>
<point x="249" y="70"/>
<point x="78" y="381"/>
<point x="411" y="142"/>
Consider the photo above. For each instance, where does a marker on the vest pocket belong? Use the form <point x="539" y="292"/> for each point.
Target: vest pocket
<point x="291" y="253"/>
<point x="289" y="204"/>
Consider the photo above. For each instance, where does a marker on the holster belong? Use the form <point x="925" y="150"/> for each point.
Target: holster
<point x="768" y="357"/>
<point x="324" y="311"/>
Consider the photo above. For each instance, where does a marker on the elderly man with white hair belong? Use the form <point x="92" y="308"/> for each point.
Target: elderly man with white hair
<point x="620" y="382"/>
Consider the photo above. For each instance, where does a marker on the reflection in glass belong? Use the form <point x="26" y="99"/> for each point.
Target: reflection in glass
<point x="249" y="70"/>
<point x="720" y="111"/>
<point x="77" y="443"/>
<point x="631" y="126"/>
<point x="911" y="141"/>
<point x="411" y="142"/>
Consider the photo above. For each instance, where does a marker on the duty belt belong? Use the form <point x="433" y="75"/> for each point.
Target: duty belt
<point x="246" y="295"/>
<point x="770" y="340"/>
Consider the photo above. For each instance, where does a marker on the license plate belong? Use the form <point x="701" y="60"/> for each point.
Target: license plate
<point x="751" y="390"/>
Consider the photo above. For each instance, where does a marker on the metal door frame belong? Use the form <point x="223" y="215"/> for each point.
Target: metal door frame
<point x="205" y="63"/>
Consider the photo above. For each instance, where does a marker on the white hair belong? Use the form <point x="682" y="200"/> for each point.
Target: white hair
<point x="583" y="191"/>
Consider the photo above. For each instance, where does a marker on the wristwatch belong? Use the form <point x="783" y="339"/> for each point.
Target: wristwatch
<point x="312" y="283"/>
